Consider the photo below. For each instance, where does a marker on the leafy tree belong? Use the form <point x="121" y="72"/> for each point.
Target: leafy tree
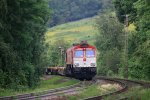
<point x="56" y="53"/>
<point x="140" y="54"/>
<point x="109" y="43"/>
<point x="139" y="41"/>
<point x="22" y="26"/>
<point x="125" y="7"/>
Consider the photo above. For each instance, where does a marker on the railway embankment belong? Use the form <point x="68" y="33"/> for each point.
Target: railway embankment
<point x="47" y="83"/>
<point x="65" y="88"/>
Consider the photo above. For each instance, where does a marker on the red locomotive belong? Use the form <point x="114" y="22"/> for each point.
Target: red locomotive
<point x="80" y="62"/>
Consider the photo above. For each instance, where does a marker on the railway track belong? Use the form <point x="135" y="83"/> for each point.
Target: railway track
<point x="52" y="93"/>
<point x="77" y="88"/>
<point x="125" y="84"/>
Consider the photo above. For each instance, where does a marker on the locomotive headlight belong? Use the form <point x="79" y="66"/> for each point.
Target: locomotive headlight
<point x="76" y="64"/>
<point x="93" y="64"/>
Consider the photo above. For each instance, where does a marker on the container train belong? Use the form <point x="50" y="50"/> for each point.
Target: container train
<point x="80" y="62"/>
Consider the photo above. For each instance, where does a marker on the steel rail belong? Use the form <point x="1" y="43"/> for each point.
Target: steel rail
<point x="124" y="88"/>
<point x="52" y="92"/>
<point x="23" y="96"/>
<point x="124" y="83"/>
<point x="58" y="93"/>
<point x="79" y="87"/>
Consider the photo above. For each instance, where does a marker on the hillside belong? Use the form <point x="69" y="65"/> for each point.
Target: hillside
<point x="73" y="31"/>
<point x="71" y="10"/>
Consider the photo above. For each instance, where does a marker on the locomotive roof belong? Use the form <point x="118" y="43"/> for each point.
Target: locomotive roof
<point x="81" y="45"/>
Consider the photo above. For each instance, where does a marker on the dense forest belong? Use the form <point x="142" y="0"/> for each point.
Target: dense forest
<point x="111" y="40"/>
<point x="70" y="10"/>
<point x="22" y="27"/>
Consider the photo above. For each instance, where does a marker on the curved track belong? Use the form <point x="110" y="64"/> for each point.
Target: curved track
<point x="32" y="96"/>
<point x="52" y="93"/>
<point x="77" y="88"/>
<point x="125" y="84"/>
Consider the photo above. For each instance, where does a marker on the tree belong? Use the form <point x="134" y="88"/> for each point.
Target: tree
<point x="56" y="53"/>
<point x="125" y="7"/>
<point x="140" y="54"/>
<point x="71" y="10"/>
<point x="109" y="43"/>
<point x="139" y="41"/>
<point x="22" y="26"/>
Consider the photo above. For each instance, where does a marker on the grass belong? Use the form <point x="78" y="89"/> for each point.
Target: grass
<point x="144" y="94"/>
<point x="94" y="90"/>
<point x="52" y="83"/>
<point x="91" y="91"/>
<point x="73" y="31"/>
<point x="136" y="93"/>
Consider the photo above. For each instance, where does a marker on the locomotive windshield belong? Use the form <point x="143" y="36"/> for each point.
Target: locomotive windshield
<point x="89" y="53"/>
<point x="79" y="53"/>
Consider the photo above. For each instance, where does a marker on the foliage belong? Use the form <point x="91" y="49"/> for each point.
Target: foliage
<point x="94" y="90"/>
<point x="144" y="94"/>
<point x="125" y="7"/>
<point x="71" y="10"/>
<point x="22" y="24"/>
<point x="109" y="42"/>
<point x="55" y="54"/>
<point x="52" y="83"/>
<point x="135" y="93"/>
<point x="139" y="41"/>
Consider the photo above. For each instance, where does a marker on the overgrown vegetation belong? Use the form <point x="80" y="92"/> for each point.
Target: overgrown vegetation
<point x="111" y="39"/>
<point x="135" y="93"/>
<point x="139" y="41"/>
<point x="94" y="90"/>
<point x="55" y="53"/>
<point x="22" y="26"/>
<point x="52" y="83"/>
<point x="109" y="43"/>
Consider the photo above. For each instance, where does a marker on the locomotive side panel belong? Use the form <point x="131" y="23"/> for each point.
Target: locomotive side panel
<point x="69" y="56"/>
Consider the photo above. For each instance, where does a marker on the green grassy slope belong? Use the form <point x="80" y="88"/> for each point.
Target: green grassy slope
<point x="73" y="32"/>
<point x="52" y="83"/>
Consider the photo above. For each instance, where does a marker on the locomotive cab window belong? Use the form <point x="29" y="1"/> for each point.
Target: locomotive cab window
<point x="90" y="53"/>
<point x="79" y="53"/>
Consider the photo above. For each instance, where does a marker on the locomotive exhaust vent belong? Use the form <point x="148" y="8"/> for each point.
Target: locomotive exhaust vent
<point x="84" y="44"/>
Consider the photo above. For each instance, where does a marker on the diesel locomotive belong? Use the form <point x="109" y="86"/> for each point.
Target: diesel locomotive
<point x="80" y="62"/>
